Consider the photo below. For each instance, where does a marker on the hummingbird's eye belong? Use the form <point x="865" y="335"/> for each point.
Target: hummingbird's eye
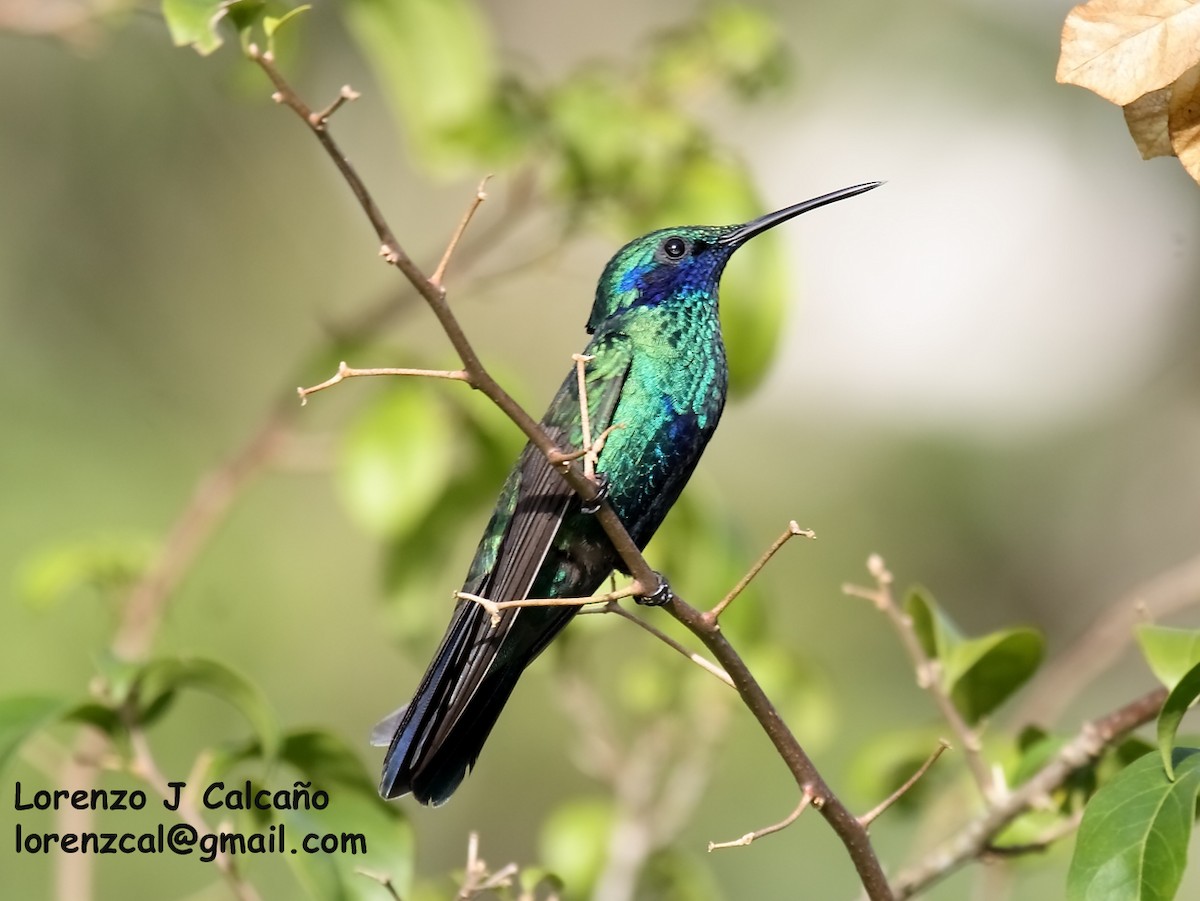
<point x="674" y="248"/>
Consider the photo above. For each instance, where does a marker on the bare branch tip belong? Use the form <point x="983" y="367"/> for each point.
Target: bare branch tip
<point x="878" y="570"/>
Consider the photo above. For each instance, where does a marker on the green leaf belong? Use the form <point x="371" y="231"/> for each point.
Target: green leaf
<point x="22" y="716"/>
<point x="982" y="673"/>
<point x="673" y="875"/>
<point x="272" y="24"/>
<point x="1133" y="840"/>
<point x="1180" y="698"/>
<point x="326" y="764"/>
<point x="730" y="43"/>
<point x="397" y="460"/>
<point x="156" y="684"/>
<point x="1170" y="652"/>
<point x="197" y="23"/>
<point x="102" y="564"/>
<point x="354" y="807"/>
<point x="1035" y="748"/>
<point x="978" y="673"/>
<point x="574" y="839"/>
<point x="934" y="629"/>
<point x="433" y="59"/>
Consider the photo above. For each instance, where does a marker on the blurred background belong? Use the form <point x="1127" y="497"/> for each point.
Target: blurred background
<point x="985" y="371"/>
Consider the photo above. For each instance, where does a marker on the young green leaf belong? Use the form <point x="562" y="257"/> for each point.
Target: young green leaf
<point x="1181" y="697"/>
<point x="981" y="673"/>
<point x="574" y="838"/>
<point x="354" y="808"/>
<point x="22" y="716"/>
<point x="272" y="24"/>
<point x="159" y="680"/>
<point x="935" y="630"/>
<point x="1133" y="841"/>
<point x="197" y="23"/>
<point x="104" y="565"/>
<point x="1170" y="652"/>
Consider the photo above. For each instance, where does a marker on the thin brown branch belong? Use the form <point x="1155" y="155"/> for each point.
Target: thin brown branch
<point x="495" y="608"/>
<point x="928" y="672"/>
<point x="560" y="457"/>
<point x="845" y="825"/>
<point x="285" y="95"/>
<point x="590" y="457"/>
<point x="345" y="95"/>
<point x="703" y="662"/>
<point x="973" y="839"/>
<point x="805" y="799"/>
<point x="873" y="814"/>
<point x="346" y="372"/>
<point x="854" y="838"/>
<point x="439" y="274"/>
<point x="477" y="879"/>
<point x="792" y="530"/>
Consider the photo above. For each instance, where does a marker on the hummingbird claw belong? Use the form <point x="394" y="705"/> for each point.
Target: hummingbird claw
<point x="601" y="494"/>
<point x="661" y="595"/>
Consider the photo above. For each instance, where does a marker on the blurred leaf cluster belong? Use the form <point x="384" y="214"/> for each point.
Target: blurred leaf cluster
<point x="619" y="145"/>
<point x="128" y="700"/>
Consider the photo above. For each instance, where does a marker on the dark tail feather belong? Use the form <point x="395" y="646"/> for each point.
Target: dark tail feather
<point x="439" y="734"/>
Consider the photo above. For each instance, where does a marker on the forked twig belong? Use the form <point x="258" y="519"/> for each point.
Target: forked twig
<point x="495" y="608"/>
<point x="345" y="95"/>
<point x="703" y="662"/>
<point x="806" y="798"/>
<point x="346" y="372"/>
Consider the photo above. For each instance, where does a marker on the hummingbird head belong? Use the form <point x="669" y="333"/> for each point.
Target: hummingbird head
<point x="684" y="264"/>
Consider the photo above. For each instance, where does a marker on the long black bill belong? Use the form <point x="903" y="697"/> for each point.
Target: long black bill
<point x="770" y="220"/>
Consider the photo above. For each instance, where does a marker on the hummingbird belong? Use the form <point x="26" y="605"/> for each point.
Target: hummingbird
<point x="656" y="371"/>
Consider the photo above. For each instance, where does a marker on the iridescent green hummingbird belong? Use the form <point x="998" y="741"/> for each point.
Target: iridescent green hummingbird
<point x="657" y="371"/>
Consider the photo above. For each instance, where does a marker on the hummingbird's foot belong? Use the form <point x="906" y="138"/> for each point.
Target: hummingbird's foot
<point x="661" y="595"/>
<point x="601" y="494"/>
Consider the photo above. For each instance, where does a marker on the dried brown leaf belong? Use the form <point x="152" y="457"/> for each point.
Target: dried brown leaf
<point x="1184" y="120"/>
<point x="1123" y="49"/>
<point x="1146" y="119"/>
